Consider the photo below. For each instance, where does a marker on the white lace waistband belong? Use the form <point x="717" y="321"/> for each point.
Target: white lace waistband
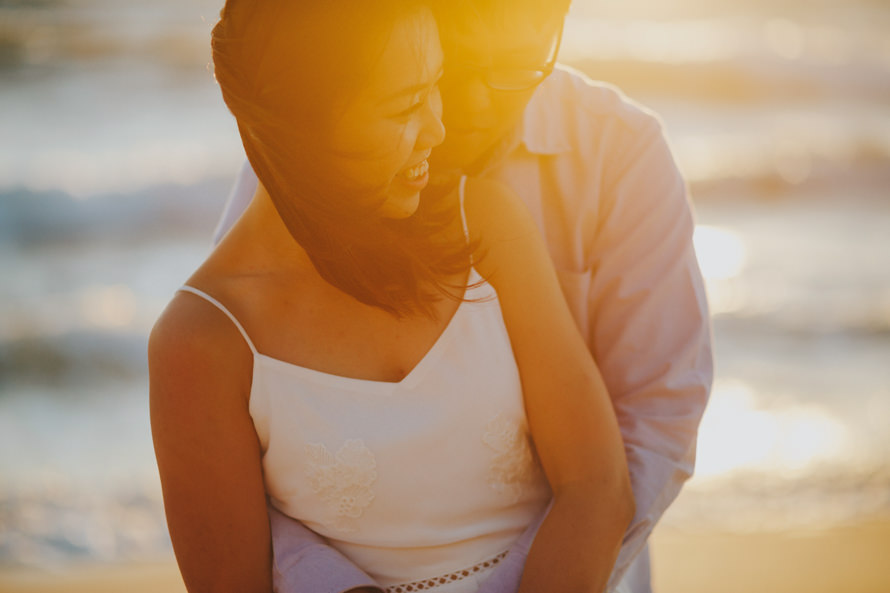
<point x="451" y="577"/>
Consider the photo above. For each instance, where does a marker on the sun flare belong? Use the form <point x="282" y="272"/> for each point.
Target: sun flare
<point x="737" y="433"/>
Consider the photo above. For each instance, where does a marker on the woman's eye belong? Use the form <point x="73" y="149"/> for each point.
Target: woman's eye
<point x="411" y="110"/>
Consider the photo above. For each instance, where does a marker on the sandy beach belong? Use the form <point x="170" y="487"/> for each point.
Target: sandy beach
<point x="848" y="559"/>
<point x="160" y="577"/>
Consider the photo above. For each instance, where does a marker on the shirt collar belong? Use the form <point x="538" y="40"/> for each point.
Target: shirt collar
<point x="543" y="130"/>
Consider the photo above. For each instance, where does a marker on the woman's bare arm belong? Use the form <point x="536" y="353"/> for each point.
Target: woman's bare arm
<point x="570" y="415"/>
<point x="207" y="450"/>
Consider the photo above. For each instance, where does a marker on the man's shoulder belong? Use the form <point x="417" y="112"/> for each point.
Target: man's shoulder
<point x="578" y="104"/>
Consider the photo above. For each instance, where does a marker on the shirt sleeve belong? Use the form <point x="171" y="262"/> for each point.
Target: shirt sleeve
<point x="303" y="562"/>
<point x="240" y="196"/>
<point x="648" y="320"/>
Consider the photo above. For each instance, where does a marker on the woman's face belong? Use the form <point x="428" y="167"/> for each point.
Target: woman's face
<point x="385" y="133"/>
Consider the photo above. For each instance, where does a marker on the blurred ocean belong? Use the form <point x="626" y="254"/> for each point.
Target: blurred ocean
<point x="116" y="155"/>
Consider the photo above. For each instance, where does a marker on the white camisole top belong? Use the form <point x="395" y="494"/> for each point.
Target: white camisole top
<point x="424" y="483"/>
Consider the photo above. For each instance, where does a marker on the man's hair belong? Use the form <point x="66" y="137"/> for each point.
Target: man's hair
<point x="284" y="69"/>
<point x="496" y="12"/>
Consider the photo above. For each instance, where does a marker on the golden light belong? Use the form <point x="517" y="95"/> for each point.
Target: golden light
<point x="737" y="433"/>
<point x="721" y="252"/>
<point x="109" y="306"/>
<point x="784" y="37"/>
<point x="722" y="256"/>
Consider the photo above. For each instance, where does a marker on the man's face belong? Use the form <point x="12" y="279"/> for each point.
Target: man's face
<point x="477" y="116"/>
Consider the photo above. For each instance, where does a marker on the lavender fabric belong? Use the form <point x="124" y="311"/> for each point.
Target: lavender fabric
<point x="304" y="563"/>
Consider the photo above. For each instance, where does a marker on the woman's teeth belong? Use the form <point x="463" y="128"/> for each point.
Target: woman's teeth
<point x="417" y="171"/>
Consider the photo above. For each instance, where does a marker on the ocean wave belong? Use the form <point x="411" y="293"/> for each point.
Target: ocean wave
<point x="40" y="33"/>
<point x="741" y="59"/>
<point x="758" y="501"/>
<point x="156" y="213"/>
<point x="60" y="523"/>
<point x="75" y="358"/>
<point x="743" y="81"/>
<point x="770" y="173"/>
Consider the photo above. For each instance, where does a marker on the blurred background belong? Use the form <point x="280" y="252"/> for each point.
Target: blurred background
<point x="117" y="153"/>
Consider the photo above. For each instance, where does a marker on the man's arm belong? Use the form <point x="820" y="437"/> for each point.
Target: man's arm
<point x="649" y="327"/>
<point x="303" y="562"/>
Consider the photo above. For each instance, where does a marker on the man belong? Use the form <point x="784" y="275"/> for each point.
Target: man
<point x="596" y="173"/>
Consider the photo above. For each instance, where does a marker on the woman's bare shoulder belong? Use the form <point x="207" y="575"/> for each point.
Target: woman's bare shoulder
<point x="194" y="347"/>
<point x="188" y="322"/>
<point x="194" y="331"/>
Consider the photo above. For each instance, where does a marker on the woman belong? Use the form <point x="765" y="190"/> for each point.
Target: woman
<point x="340" y="352"/>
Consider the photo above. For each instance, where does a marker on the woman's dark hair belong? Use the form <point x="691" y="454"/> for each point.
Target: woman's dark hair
<point x="285" y="67"/>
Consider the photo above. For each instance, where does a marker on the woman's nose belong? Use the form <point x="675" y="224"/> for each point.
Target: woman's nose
<point x="433" y="132"/>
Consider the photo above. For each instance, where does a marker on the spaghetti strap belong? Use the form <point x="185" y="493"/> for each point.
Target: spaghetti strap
<point x="463" y="215"/>
<point x="221" y="307"/>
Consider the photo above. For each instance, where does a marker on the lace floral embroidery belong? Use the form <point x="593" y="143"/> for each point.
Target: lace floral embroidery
<point x="513" y="466"/>
<point x="343" y="481"/>
<point x="451" y="577"/>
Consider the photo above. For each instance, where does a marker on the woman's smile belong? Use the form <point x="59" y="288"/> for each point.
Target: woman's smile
<point x="415" y="177"/>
